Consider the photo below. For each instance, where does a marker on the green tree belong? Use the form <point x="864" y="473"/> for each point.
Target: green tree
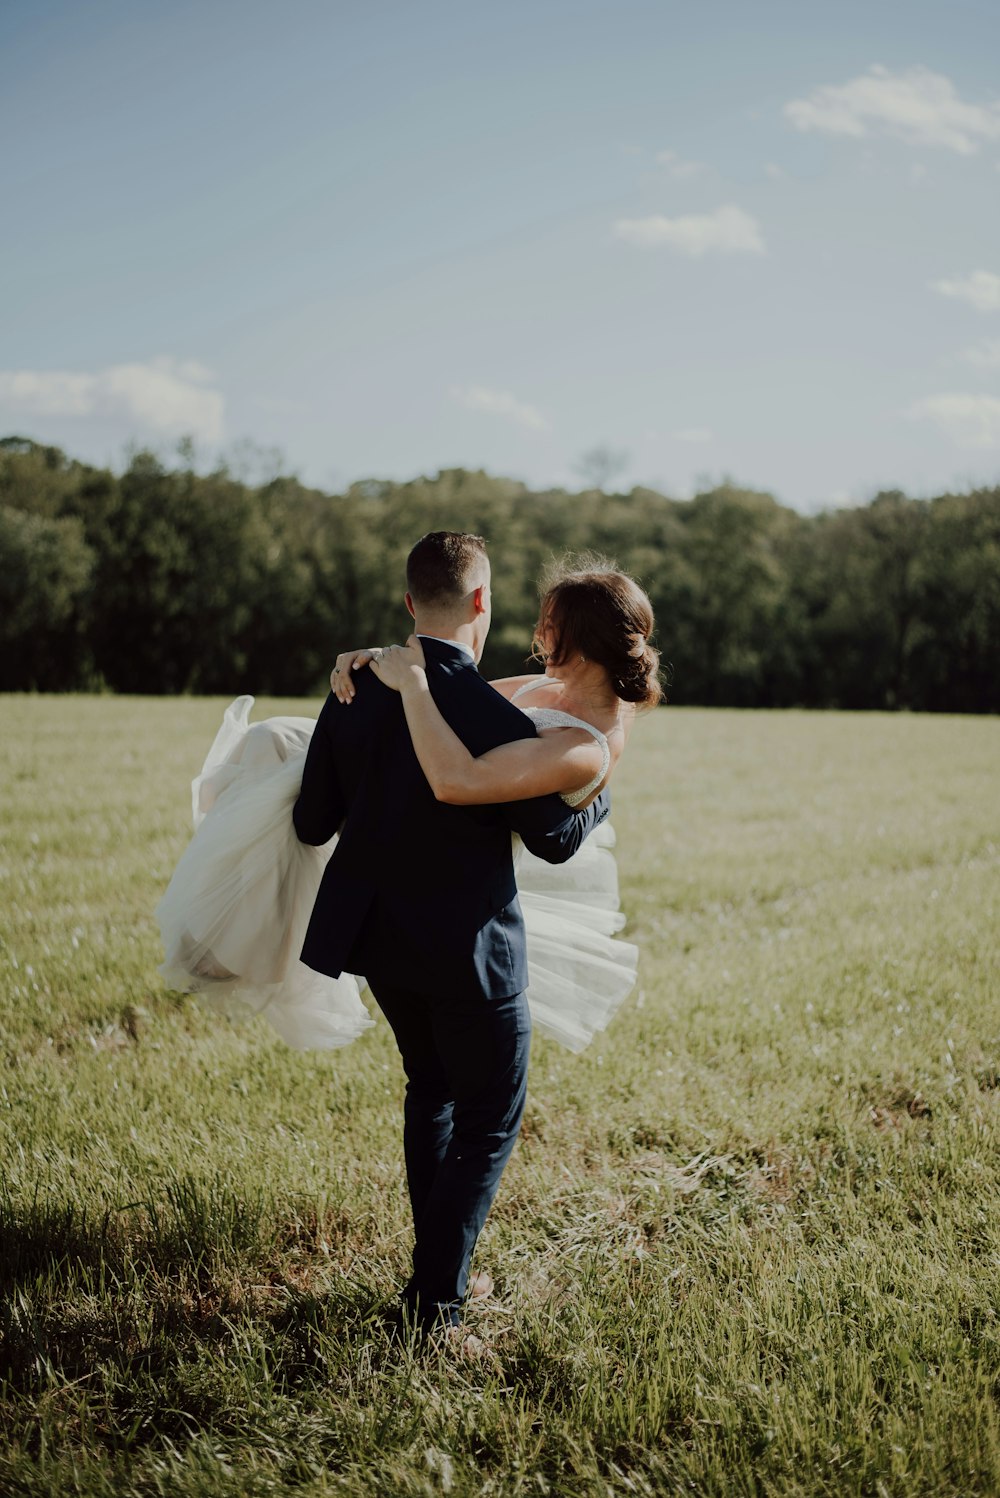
<point x="859" y="585"/>
<point x="728" y="586"/>
<point x="953" y="662"/>
<point x="167" y="580"/>
<point x="44" y="584"/>
<point x="177" y="582"/>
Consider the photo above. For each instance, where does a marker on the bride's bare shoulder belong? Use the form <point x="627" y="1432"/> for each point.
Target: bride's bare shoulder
<point x="544" y="692"/>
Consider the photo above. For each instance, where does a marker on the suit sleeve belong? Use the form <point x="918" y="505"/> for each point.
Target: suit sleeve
<point x="555" y="832"/>
<point x="321" y="806"/>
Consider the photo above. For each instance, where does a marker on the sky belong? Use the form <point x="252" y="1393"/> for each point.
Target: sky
<point x="756" y="242"/>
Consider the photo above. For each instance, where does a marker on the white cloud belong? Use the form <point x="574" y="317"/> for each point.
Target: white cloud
<point x="775" y="171"/>
<point x="985" y="355"/>
<point x="164" y="395"/>
<point x="971" y="421"/>
<point x="727" y="231"/>
<point x="677" y="167"/>
<point x="499" y="403"/>
<point x="916" y="106"/>
<point x="980" y="288"/>
<point x="191" y="369"/>
<point x="691" y="434"/>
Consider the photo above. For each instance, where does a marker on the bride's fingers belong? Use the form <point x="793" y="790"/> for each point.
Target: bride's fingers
<point x="339" y="672"/>
<point x="341" y="684"/>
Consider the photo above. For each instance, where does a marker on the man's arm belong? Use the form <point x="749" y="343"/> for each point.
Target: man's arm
<point x="321" y="806"/>
<point x="554" y="832"/>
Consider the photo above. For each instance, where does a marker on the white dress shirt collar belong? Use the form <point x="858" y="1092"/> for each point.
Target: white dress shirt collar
<point x="458" y="644"/>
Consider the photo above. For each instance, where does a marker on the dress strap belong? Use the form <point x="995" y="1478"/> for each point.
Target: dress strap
<point x="554" y="717"/>
<point x="551" y="717"/>
<point x="532" y="686"/>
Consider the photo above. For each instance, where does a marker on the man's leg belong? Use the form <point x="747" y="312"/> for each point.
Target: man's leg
<point x="427" y="1110"/>
<point x="483" y="1046"/>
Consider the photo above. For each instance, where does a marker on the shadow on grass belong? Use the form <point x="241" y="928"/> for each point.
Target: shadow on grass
<point x="196" y="1226"/>
<point x="133" y="1328"/>
<point x="194" y="1223"/>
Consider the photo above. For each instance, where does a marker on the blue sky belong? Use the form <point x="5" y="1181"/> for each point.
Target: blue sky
<point x="760" y="241"/>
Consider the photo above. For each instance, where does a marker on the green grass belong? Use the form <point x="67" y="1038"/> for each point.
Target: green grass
<point x="748" y="1243"/>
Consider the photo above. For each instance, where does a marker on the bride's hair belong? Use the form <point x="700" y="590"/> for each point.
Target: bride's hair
<point x="594" y="610"/>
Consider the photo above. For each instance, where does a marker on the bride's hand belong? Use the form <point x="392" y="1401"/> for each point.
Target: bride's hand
<point x="347" y="661"/>
<point x="400" y="666"/>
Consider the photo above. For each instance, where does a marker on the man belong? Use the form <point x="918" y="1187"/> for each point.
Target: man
<point x="420" y="897"/>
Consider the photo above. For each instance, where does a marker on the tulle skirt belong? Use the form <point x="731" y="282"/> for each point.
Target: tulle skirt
<point x="234" y="915"/>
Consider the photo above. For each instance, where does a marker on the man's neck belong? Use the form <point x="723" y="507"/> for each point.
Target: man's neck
<point x="443" y="629"/>
<point x="465" y="651"/>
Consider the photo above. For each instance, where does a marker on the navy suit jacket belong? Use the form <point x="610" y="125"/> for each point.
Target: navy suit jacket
<point x="417" y="891"/>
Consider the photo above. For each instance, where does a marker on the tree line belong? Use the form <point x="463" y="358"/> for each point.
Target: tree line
<point x="163" y="580"/>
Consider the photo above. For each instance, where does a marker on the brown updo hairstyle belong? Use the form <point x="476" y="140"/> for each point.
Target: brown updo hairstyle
<point x="600" y="613"/>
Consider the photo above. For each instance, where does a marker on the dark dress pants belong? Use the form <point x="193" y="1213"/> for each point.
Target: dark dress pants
<point x="466" y="1064"/>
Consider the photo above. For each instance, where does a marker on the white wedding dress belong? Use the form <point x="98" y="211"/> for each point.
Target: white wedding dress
<point x="234" y="915"/>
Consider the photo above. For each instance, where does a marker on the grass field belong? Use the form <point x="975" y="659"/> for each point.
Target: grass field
<point x="749" y="1243"/>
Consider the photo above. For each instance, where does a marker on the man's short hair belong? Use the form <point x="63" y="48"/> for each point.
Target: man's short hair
<point x="444" y="566"/>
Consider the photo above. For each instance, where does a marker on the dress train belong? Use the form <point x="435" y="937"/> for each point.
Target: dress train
<point x="234" y="915"/>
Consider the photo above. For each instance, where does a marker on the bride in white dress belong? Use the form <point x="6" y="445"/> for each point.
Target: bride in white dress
<point x="234" y="916"/>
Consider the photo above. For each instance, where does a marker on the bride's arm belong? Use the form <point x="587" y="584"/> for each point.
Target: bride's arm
<point x="512" y="772"/>
<point x="349" y="661"/>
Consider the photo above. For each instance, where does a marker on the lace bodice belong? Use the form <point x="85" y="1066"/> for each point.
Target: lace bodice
<point x="551" y="717"/>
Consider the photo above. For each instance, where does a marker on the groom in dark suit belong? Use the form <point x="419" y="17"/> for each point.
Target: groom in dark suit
<point x="420" y="897"/>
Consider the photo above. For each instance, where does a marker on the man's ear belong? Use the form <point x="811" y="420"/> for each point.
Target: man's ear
<point x="479" y="598"/>
<point x="409" y="605"/>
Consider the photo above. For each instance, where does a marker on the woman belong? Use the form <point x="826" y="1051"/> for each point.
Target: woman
<point x="594" y="629"/>
<point x="235" y="911"/>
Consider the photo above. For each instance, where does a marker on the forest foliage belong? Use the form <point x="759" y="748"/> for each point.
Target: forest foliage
<point x="165" y="580"/>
